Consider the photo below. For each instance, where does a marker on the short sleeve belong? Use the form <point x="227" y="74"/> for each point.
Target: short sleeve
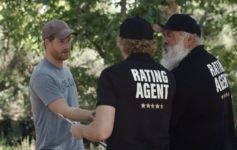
<point x="105" y="90"/>
<point x="46" y="88"/>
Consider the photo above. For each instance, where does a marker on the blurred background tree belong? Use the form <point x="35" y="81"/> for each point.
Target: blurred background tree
<point x="97" y="24"/>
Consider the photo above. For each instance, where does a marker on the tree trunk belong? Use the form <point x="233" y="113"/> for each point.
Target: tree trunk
<point x="123" y="4"/>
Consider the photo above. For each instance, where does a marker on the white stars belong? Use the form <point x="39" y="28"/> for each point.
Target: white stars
<point x="143" y="105"/>
<point x="152" y="106"/>
<point x="147" y="105"/>
<point x="161" y="106"/>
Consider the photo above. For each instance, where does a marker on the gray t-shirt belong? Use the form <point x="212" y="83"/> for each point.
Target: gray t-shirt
<point x="47" y="84"/>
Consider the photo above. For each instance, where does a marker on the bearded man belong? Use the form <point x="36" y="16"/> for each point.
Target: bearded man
<point x="202" y="115"/>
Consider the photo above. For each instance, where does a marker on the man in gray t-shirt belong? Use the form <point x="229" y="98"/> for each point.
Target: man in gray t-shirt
<point x="53" y="91"/>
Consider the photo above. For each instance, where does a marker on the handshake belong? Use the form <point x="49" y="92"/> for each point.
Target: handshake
<point x="76" y="127"/>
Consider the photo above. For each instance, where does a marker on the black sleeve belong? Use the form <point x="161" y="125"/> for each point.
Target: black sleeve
<point x="105" y="90"/>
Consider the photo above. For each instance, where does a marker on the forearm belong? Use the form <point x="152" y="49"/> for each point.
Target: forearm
<point x="73" y="113"/>
<point x="78" y="114"/>
<point x="98" y="130"/>
<point x="90" y="132"/>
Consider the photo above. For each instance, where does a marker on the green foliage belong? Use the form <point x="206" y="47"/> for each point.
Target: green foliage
<point x="12" y="132"/>
<point x="97" y="24"/>
<point x="84" y="86"/>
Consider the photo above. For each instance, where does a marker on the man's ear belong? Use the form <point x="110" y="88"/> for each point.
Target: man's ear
<point x="46" y="42"/>
<point x="120" y="47"/>
<point x="118" y="44"/>
<point x="188" y="42"/>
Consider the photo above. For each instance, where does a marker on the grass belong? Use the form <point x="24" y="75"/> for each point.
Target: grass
<point x="27" y="145"/>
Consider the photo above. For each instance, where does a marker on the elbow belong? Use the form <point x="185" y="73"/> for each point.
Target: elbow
<point x="102" y="134"/>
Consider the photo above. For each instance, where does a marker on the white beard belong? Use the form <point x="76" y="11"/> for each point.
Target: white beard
<point x="173" y="55"/>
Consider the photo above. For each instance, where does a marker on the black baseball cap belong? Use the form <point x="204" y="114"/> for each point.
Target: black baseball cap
<point x="136" y="28"/>
<point x="182" y="22"/>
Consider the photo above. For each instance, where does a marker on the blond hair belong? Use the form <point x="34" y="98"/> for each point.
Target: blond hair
<point x="130" y="46"/>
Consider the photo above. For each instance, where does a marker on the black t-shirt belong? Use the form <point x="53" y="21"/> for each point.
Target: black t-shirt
<point x="202" y="116"/>
<point x="141" y="91"/>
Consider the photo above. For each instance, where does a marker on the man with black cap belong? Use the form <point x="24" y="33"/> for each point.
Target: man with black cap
<point x="133" y="97"/>
<point x="53" y="92"/>
<point x="202" y="116"/>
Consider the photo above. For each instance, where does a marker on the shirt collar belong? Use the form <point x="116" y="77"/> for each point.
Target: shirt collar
<point x="197" y="49"/>
<point x="140" y="57"/>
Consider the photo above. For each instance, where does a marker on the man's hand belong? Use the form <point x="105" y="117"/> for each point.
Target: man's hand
<point x="92" y="116"/>
<point x="76" y="131"/>
<point x="100" y="128"/>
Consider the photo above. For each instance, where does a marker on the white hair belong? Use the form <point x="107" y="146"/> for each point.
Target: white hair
<point x="195" y="36"/>
<point x="198" y="40"/>
<point x="173" y="55"/>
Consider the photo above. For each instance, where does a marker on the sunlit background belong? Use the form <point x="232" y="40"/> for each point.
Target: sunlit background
<point x="97" y="23"/>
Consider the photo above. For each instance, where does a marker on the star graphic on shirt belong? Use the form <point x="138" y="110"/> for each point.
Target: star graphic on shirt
<point x="222" y="97"/>
<point x="148" y="105"/>
<point x="161" y="106"/>
<point x="152" y="106"/>
<point x="143" y="105"/>
<point x="157" y="106"/>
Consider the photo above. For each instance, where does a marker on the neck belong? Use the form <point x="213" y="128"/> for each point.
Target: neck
<point x="57" y="63"/>
<point x="194" y="43"/>
<point x="193" y="46"/>
<point x="125" y="56"/>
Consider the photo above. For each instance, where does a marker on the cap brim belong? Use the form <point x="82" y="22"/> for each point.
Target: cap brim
<point x="161" y="25"/>
<point x="65" y="33"/>
<point x="165" y="27"/>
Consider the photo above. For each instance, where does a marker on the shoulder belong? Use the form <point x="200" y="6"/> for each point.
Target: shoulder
<point x="66" y="68"/>
<point x="195" y="68"/>
<point x="196" y="60"/>
<point x="41" y="73"/>
<point x="41" y="77"/>
<point x="42" y="67"/>
<point x="202" y="56"/>
<point x="114" y="68"/>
